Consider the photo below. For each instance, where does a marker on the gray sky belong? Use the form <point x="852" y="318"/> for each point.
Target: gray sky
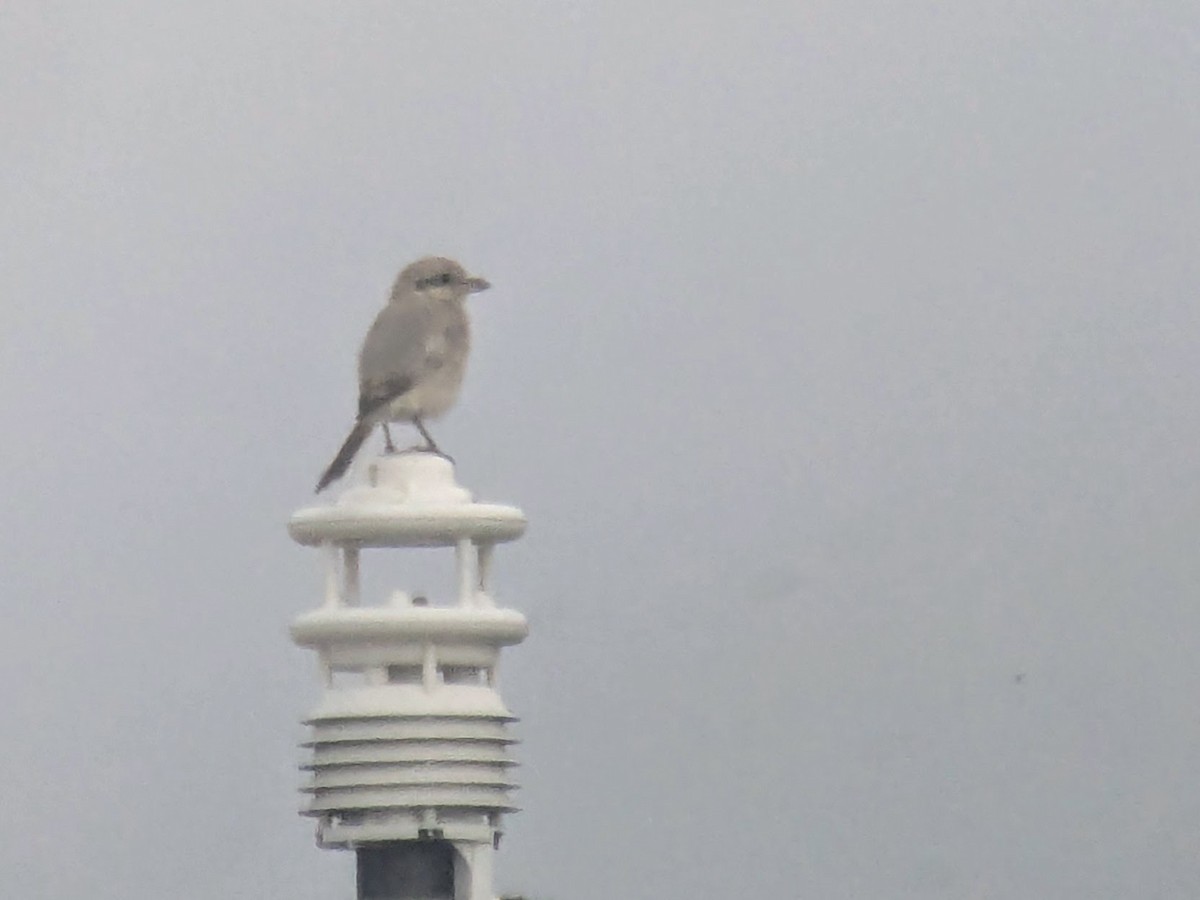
<point x="842" y="354"/>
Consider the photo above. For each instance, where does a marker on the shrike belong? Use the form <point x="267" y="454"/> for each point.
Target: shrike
<point x="413" y="358"/>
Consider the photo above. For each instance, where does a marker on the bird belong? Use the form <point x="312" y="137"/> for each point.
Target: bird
<point x="413" y="359"/>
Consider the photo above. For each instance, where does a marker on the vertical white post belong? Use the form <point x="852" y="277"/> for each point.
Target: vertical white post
<point x="479" y="863"/>
<point x="484" y="569"/>
<point x="485" y="565"/>
<point x="333" y="591"/>
<point x="466" y="572"/>
<point x="351" y="586"/>
<point x="429" y="668"/>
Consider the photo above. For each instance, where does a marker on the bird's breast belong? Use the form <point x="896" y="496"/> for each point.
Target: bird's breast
<point x="441" y="376"/>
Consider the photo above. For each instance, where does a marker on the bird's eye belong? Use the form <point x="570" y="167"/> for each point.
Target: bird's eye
<point x="445" y="279"/>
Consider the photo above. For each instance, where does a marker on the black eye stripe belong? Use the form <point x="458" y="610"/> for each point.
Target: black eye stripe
<point x="444" y="278"/>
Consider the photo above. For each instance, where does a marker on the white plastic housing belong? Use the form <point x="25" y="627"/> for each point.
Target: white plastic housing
<point x="410" y="738"/>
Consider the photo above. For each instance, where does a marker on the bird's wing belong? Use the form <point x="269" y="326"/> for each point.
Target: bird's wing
<point x="395" y="354"/>
<point x="377" y="394"/>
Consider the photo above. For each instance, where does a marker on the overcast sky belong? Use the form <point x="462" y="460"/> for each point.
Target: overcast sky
<point x="842" y="354"/>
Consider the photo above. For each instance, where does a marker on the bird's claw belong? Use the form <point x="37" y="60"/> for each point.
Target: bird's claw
<point x="427" y="448"/>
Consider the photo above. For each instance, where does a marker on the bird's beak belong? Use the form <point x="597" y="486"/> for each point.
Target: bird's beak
<point x="475" y="285"/>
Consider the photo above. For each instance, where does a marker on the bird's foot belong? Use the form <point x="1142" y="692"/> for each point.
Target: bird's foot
<point x="432" y="448"/>
<point x="425" y="448"/>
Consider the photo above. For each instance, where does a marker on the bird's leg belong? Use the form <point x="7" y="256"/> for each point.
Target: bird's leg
<point x="430" y="446"/>
<point x="387" y="439"/>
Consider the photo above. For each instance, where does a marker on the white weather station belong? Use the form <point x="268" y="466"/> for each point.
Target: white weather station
<point x="410" y="762"/>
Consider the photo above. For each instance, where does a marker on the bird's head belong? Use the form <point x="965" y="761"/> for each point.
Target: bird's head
<point x="436" y="276"/>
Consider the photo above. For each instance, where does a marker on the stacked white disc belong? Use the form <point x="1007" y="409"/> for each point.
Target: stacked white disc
<point x="410" y="739"/>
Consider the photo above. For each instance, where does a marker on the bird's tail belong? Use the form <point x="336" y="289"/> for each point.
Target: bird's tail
<point x="341" y="462"/>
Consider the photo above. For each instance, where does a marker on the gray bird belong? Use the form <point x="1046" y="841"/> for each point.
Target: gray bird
<point x="413" y="358"/>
